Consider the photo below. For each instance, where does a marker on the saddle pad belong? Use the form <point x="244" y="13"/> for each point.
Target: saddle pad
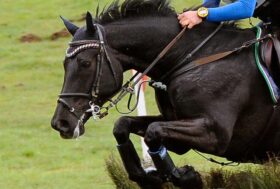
<point x="272" y="87"/>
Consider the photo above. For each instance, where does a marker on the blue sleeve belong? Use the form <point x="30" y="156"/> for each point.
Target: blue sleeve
<point x="211" y="3"/>
<point x="238" y="10"/>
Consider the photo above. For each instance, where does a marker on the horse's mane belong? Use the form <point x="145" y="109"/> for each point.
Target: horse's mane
<point x="134" y="8"/>
<point x="141" y="8"/>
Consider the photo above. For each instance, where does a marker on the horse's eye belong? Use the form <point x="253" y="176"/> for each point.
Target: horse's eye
<point x="84" y="63"/>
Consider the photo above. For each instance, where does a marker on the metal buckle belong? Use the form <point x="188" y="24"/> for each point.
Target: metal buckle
<point x="94" y="110"/>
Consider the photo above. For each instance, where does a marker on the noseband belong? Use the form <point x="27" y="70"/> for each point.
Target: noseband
<point x="75" y="48"/>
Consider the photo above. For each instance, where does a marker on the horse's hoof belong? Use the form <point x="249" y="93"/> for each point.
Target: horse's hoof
<point x="189" y="178"/>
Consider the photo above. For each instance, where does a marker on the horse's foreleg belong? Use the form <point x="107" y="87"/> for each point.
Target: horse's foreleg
<point x="138" y="125"/>
<point x="201" y="134"/>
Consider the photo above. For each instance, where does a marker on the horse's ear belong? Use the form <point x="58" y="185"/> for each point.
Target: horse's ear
<point x="69" y="26"/>
<point x="90" y="25"/>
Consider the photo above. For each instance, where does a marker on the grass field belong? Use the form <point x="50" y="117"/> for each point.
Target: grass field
<point x="32" y="155"/>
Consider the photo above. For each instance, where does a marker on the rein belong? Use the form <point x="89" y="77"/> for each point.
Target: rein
<point x="129" y="85"/>
<point x="163" y="53"/>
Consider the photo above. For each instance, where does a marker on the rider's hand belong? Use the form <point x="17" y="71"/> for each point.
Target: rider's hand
<point x="189" y="19"/>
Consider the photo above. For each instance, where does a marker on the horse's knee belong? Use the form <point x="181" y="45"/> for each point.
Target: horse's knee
<point x="153" y="136"/>
<point x="121" y="129"/>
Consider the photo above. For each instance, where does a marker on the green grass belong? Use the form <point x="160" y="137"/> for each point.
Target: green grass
<point x="249" y="177"/>
<point x="32" y="155"/>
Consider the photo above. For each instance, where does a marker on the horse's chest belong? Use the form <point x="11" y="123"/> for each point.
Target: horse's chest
<point x="187" y="101"/>
<point x="177" y="105"/>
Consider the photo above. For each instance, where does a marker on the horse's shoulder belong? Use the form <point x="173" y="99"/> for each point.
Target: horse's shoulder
<point x="164" y="104"/>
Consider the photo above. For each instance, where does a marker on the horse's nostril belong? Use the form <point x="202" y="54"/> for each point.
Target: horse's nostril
<point x="61" y="125"/>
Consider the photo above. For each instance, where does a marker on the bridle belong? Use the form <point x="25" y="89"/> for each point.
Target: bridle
<point x="78" y="46"/>
<point x="75" y="48"/>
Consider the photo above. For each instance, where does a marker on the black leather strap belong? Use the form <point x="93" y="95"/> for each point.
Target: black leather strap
<point x="68" y="95"/>
<point x="103" y="42"/>
<point x="186" y="59"/>
<point x="82" y="42"/>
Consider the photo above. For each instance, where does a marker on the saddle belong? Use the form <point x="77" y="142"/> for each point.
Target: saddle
<point x="270" y="57"/>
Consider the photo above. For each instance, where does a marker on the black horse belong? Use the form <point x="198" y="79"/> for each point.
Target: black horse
<point x="222" y="108"/>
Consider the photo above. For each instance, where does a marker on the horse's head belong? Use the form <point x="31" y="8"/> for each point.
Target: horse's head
<point x="91" y="77"/>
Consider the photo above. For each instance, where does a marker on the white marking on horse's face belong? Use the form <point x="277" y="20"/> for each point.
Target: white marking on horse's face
<point x="76" y="132"/>
<point x="80" y="124"/>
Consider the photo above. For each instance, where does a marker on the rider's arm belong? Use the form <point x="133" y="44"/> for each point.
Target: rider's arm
<point x="211" y="3"/>
<point x="238" y="10"/>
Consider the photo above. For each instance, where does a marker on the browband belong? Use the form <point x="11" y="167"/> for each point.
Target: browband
<point x="78" y="46"/>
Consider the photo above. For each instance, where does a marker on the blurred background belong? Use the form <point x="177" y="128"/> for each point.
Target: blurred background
<point x="32" y="155"/>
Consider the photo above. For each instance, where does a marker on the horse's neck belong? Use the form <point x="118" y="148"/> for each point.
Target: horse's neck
<point x="141" y="40"/>
<point x="143" y="33"/>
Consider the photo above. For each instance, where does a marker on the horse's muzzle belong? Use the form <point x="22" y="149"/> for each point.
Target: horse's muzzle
<point x="66" y="130"/>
